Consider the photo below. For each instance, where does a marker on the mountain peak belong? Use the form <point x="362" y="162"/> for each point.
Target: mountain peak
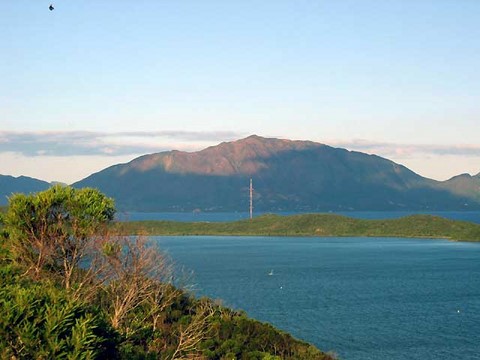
<point x="267" y="145"/>
<point x="243" y="156"/>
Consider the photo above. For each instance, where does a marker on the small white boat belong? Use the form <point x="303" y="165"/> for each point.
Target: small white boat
<point x="270" y="273"/>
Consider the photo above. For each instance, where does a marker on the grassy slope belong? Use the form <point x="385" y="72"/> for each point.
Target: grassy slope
<point x="418" y="226"/>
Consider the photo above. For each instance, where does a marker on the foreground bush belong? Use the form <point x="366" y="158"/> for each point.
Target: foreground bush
<point x="40" y="321"/>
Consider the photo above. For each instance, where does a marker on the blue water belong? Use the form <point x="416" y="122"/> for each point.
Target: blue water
<point x="473" y="216"/>
<point x="364" y="298"/>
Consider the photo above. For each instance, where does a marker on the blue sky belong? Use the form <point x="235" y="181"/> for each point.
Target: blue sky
<point x="94" y="83"/>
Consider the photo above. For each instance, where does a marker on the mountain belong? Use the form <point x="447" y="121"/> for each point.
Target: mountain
<point x="287" y="176"/>
<point x="464" y="185"/>
<point x="21" y="184"/>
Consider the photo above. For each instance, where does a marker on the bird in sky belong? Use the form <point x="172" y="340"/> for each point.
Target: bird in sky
<point x="51" y="8"/>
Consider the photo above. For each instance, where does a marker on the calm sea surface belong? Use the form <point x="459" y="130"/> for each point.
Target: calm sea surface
<point x="364" y="298"/>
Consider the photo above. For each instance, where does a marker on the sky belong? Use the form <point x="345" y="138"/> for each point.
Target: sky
<point x="95" y="83"/>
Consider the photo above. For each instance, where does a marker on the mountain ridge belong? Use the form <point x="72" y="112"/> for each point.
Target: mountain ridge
<point x="288" y="175"/>
<point x="21" y="184"/>
<point x="236" y="161"/>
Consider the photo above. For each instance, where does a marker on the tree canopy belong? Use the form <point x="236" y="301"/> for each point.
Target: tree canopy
<point x="53" y="228"/>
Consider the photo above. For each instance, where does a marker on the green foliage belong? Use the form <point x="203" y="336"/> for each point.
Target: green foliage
<point x="235" y="336"/>
<point x="418" y="226"/>
<point x="40" y="321"/>
<point x="52" y="229"/>
<point x="60" y="211"/>
<point x="3" y="232"/>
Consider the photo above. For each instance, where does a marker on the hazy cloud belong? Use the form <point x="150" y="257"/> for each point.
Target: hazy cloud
<point x="70" y="143"/>
<point x="391" y="150"/>
<point x="74" y="143"/>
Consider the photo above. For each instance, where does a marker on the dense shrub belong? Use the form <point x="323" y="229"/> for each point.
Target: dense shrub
<point x="40" y="321"/>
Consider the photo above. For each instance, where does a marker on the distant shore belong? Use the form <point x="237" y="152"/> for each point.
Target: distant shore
<point x="413" y="226"/>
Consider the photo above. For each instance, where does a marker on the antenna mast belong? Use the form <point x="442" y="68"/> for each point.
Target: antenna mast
<point x="251" y="199"/>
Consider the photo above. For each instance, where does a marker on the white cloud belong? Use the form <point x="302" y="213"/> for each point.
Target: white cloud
<point x="57" y="168"/>
<point x="439" y="162"/>
<point x="408" y="150"/>
<point x="87" y="143"/>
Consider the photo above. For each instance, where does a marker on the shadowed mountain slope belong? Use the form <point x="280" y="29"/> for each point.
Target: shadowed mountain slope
<point x="464" y="185"/>
<point x="21" y="184"/>
<point x="287" y="175"/>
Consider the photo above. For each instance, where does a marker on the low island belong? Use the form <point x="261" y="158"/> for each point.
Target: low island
<point x="414" y="226"/>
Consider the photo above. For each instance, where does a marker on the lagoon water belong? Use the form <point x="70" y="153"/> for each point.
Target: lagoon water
<point x="363" y="298"/>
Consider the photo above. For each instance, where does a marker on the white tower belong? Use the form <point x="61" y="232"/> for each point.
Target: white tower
<point x="251" y="199"/>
